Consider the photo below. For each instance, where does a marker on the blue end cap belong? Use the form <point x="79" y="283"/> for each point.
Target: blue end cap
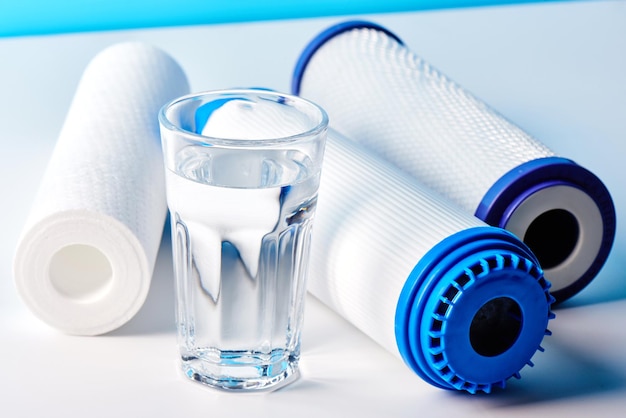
<point x="473" y="311"/>
<point x="519" y="183"/>
<point x="324" y="37"/>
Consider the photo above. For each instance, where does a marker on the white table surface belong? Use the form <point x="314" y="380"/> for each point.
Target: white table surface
<point x="557" y="69"/>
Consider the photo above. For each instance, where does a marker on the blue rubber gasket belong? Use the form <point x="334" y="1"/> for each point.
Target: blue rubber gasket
<point x="478" y="265"/>
<point x="324" y="37"/>
<point x="508" y="192"/>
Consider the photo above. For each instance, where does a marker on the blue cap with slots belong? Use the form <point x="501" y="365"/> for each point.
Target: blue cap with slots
<point x="473" y="311"/>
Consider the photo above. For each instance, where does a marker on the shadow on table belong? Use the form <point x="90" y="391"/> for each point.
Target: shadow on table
<point x="608" y="286"/>
<point x="562" y="372"/>
<point x="156" y="316"/>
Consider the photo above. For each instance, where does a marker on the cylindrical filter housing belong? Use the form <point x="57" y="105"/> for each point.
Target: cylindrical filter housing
<point x="464" y="304"/>
<point x="382" y="95"/>
<point x="85" y="259"/>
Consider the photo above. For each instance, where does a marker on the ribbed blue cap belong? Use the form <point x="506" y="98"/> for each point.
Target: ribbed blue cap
<point x="473" y="311"/>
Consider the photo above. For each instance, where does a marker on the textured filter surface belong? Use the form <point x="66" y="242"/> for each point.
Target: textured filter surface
<point x="373" y="224"/>
<point x="385" y="97"/>
<point x="86" y="255"/>
<point x="388" y="99"/>
<point x="413" y="272"/>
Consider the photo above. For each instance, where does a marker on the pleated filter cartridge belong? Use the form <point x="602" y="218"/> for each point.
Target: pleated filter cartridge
<point x="465" y="305"/>
<point x="382" y="95"/>
<point x="85" y="259"/>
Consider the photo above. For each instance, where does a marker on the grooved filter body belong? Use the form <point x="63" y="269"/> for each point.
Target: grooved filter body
<point x="86" y="255"/>
<point x="372" y="225"/>
<point x="399" y="262"/>
<point x="382" y="95"/>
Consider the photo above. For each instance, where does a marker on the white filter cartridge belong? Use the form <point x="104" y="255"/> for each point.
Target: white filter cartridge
<point x="85" y="258"/>
<point x="379" y="93"/>
<point x="464" y="304"/>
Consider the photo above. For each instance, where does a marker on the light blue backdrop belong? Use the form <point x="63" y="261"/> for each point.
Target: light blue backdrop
<point x="40" y="17"/>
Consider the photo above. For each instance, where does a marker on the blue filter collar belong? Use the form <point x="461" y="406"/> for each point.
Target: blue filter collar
<point x="514" y="187"/>
<point x="473" y="311"/>
<point x="324" y="37"/>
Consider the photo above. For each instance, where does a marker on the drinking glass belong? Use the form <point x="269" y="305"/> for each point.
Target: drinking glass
<point x="242" y="174"/>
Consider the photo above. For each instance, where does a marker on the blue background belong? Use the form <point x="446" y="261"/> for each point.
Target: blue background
<point x="37" y="17"/>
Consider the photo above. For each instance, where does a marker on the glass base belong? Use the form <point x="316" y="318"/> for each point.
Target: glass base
<point x="237" y="372"/>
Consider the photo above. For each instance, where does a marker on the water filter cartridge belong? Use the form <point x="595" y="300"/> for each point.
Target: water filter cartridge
<point x="85" y="259"/>
<point x="379" y="93"/>
<point x="464" y="304"/>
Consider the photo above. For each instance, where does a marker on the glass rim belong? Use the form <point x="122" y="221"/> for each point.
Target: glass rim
<point x="206" y="140"/>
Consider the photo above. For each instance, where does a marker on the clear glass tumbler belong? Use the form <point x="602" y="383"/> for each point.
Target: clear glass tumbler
<point x="242" y="174"/>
